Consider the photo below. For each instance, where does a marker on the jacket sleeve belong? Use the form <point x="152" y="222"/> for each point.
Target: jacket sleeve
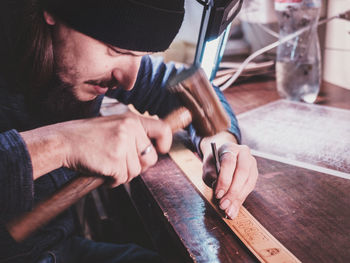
<point x="16" y="187"/>
<point x="150" y="94"/>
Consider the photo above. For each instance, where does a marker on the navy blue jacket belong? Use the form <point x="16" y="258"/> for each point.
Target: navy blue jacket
<point x="18" y="191"/>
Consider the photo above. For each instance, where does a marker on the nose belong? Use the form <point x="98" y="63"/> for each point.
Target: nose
<point x="125" y="72"/>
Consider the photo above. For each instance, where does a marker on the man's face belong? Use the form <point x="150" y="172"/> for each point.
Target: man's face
<point x="89" y="66"/>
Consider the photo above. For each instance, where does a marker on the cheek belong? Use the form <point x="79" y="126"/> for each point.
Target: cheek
<point x="96" y="62"/>
<point x="78" y="57"/>
<point x="83" y="92"/>
<point x="127" y="74"/>
<point x="88" y="62"/>
<point x="90" y="69"/>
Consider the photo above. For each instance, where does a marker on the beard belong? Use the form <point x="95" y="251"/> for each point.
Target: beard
<point x="56" y="102"/>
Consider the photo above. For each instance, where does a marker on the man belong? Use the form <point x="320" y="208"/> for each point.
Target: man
<point x="59" y="59"/>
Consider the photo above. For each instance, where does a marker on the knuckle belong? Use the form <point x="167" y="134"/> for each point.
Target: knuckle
<point x="124" y="178"/>
<point x="154" y="159"/>
<point x="224" y="183"/>
<point x="166" y="128"/>
<point x="117" y="154"/>
<point x="138" y="170"/>
<point x="233" y="193"/>
<point x="129" y="121"/>
<point x="244" y="171"/>
<point x="130" y="177"/>
<point x="122" y="134"/>
<point x="134" y="172"/>
<point x="230" y="197"/>
<point x="119" y="178"/>
<point x="228" y="157"/>
<point x="245" y="148"/>
<point x="227" y="160"/>
<point x="149" y="160"/>
<point x="254" y="161"/>
<point x="238" y="202"/>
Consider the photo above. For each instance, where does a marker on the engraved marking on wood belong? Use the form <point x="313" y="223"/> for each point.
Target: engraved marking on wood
<point x="256" y="238"/>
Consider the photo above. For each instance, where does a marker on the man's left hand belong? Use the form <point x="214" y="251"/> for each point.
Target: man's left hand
<point x="238" y="171"/>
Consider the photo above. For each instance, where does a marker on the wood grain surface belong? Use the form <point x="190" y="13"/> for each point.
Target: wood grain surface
<point x="307" y="211"/>
<point x="247" y="96"/>
<point x="204" y="237"/>
<point x="265" y="247"/>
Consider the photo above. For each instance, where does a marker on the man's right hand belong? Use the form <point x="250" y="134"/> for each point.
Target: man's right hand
<point x="110" y="146"/>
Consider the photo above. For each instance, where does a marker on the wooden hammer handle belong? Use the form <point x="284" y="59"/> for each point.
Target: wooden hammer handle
<point x="23" y="226"/>
<point x="179" y="119"/>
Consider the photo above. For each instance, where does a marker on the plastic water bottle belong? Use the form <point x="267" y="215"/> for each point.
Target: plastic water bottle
<point x="298" y="61"/>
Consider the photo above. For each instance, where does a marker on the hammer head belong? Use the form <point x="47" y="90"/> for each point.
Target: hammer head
<point x="198" y="96"/>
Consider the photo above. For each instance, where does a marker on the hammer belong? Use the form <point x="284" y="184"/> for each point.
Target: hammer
<point x="201" y="107"/>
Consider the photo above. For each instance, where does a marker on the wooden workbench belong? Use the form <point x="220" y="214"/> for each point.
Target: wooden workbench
<point x="307" y="211"/>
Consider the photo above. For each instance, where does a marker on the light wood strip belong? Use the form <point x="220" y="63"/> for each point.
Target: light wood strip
<point x="256" y="238"/>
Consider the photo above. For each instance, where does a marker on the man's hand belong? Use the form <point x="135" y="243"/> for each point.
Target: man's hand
<point x="238" y="172"/>
<point x="111" y="146"/>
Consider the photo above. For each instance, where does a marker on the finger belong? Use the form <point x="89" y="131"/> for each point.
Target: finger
<point x="238" y="192"/>
<point x="250" y="183"/>
<point x="147" y="154"/>
<point x="227" y="167"/>
<point x="146" y="150"/>
<point x="159" y="131"/>
<point x="148" y="159"/>
<point x="242" y="171"/>
<point x="120" y="176"/>
<point x="240" y="175"/>
<point x="133" y="163"/>
<point x="233" y="210"/>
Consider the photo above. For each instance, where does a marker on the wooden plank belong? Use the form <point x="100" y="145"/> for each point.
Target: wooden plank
<point x="257" y="239"/>
<point x="306" y="211"/>
<point x="259" y="91"/>
<point x="184" y="211"/>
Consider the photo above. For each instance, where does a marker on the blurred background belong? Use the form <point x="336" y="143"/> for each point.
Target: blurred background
<point x="255" y="27"/>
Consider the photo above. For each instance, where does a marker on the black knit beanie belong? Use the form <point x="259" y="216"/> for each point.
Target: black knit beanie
<point x="138" y="25"/>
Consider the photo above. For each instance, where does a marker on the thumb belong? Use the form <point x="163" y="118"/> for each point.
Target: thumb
<point x="209" y="175"/>
<point x="158" y="131"/>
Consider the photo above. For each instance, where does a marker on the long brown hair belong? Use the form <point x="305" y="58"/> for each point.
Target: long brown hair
<point x="30" y="59"/>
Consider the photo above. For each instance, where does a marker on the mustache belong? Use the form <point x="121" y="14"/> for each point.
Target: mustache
<point x="105" y="83"/>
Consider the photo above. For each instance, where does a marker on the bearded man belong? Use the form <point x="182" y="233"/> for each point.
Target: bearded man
<point x="59" y="58"/>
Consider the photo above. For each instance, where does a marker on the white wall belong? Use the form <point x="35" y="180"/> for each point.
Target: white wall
<point x="337" y="52"/>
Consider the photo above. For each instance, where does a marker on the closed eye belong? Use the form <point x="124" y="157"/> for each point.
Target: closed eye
<point x="116" y="52"/>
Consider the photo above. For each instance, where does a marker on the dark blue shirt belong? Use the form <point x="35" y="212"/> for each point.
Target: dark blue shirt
<point x="19" y="193"/>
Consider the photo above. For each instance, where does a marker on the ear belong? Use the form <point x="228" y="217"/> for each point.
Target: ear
<point x="50" y="20"/>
